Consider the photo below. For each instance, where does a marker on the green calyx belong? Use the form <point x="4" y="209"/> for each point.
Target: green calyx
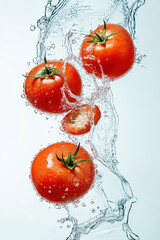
<point x="70" y="162"/>
<point x="100" y="38"/>
<point x="47" y="72"/>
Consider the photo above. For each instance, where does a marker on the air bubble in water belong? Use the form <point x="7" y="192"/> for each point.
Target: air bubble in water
<point x="22" y="96"/>
<point x="27" y="104"/>
<point x="62" y="220"/>
<point x="53" y="45"/>
<point x="93" y="210"/>
<point x="32" y="28"/>
<point x="36" y="60"/>
<point x="57" y="206"/>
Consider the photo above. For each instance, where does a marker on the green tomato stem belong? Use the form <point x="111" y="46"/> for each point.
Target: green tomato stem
<point x="101" y="39"/>
<point x="70" y="162"/>
<point x="47" y="72"/>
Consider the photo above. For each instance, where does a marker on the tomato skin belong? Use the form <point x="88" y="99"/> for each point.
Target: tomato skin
<point x="115" y="57"/>
<point x="45" y="94"/>
<point x="55" y="182"/>
<point x="84" y="117"/>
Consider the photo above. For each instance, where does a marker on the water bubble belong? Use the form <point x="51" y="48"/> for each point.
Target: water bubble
<point x="49" y="191"/>
<point x="93" y="210"/>
<point x="27" y="104"/>
<point x="22" y="96"/>
<point x="62" y="220"/>
<point x="35" y="111"/>
<point x="83" y="205"/>
<point x="32" y="28"/>
<point x="28" y="63"/>
<point x="36" y="60"/>
<point x="68" y="226"/>
<point x="92" y="202"/>
<point x="66" y="189"/>
<point x="47" y="118"/>
<point x="57" y="206"/>
<point x="53" y="45"/>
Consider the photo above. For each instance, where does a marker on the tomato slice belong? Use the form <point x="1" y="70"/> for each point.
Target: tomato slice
<point x="80" y="119"/>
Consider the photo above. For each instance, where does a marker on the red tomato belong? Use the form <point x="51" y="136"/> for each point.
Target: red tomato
<point x="62" y="180"/>
<point x="80" y="119"/>
<point x="110" y="51"/>
<point x="44" y="90"/>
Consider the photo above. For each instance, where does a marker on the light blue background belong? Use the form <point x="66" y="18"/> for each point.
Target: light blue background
<point x="137" y="102"/>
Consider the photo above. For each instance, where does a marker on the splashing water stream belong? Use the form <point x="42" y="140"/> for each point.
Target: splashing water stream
<point x="62" y="28"/>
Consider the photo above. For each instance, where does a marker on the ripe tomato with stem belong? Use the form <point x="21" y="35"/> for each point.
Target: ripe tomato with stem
<point x="108" y="50"/>
<point x="62" y="172"/>
<point x="46" y="86"/>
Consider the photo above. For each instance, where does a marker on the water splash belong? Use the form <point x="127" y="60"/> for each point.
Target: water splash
<point x="62" y="29"/>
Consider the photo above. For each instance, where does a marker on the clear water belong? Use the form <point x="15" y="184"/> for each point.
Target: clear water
<point x="106" y="207"/>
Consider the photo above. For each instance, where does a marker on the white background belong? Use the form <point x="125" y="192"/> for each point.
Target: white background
<point x="137" y="102"/>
